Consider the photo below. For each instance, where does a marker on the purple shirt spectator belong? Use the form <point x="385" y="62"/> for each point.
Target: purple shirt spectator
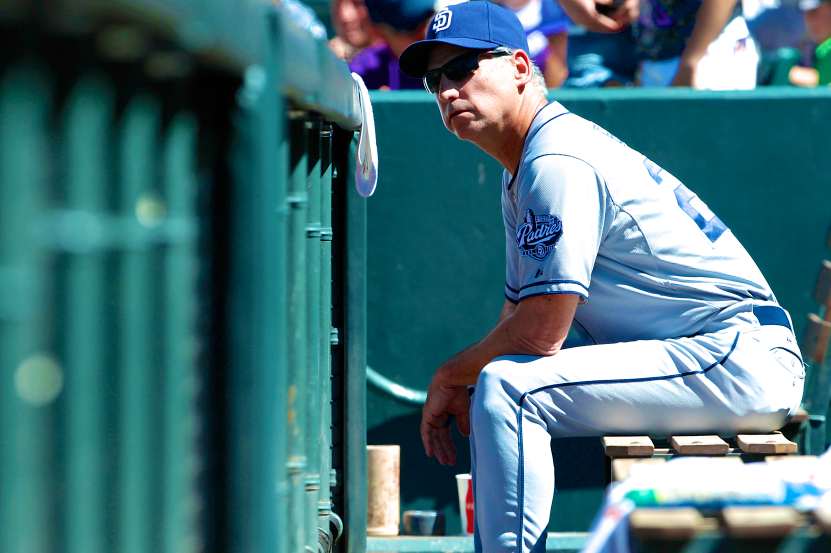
<point x="378" y="67"/>
<point x="541" y="19"/>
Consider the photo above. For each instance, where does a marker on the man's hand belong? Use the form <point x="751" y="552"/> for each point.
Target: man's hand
<point x="536" y="326"/>
<point x="627" y="12"/>
<point x="584" y="12"/>
<point x="442" y="402"/>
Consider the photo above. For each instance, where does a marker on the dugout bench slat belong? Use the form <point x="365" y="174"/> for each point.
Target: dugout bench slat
<point x="770" y="444"/>
<point x="625" y="452"/>
<point x="699" y="445"/>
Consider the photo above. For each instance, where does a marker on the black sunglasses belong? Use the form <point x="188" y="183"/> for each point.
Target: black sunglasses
<point x="458" y="69"/>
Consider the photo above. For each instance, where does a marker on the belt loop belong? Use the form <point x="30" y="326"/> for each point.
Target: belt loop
<point x="772" y="315"/>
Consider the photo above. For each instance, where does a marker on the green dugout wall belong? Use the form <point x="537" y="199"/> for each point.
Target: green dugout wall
<point x="761" y="160"/>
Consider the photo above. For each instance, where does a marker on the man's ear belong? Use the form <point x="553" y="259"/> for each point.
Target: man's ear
<point x="522" y="68"/>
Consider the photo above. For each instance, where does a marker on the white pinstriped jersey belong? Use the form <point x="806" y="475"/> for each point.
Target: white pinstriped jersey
<point x="587" y="215"/>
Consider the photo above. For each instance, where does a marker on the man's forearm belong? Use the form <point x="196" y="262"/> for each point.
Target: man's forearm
<point x="507" y="310"/>
<point x="710" y="21"/>
<point x="538" y="326"/>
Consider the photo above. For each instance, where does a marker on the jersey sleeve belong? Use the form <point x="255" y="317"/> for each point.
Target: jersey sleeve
<point x="511" y="256"/>
<point x="562" y="213"/>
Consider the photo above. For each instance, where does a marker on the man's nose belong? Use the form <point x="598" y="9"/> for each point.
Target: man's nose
<point x="447" y="89"/>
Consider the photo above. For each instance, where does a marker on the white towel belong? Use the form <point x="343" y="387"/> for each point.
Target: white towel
<point x="366" y="162"/>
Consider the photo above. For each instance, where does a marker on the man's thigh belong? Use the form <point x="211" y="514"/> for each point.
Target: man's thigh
<point x="722" y="382"/>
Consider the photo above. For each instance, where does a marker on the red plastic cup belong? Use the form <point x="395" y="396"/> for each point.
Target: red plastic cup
<point x="465" y="486"/>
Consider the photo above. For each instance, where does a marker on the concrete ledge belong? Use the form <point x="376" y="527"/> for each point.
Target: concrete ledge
<point x="561" y="542"/>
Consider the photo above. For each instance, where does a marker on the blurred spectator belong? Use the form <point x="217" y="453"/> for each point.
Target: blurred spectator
<point x="817" y="15"/>
<point x="605" y="58"/>
<point x="600" y="59"/>
<point x="601" y="16"/>
<point x="703" y="44"/>
<point x="398" y="23"/>
<point x="546" y="26"/>
<point x="778" y="28"/>
<point x="774" y="24"/>
<point x="350" y="18"/>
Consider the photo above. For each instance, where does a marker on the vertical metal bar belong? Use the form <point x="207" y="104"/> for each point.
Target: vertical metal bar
<point x="139" y="456"/>
<point x="314" y="330"/>
<point x="179" y="500"/>
<point x="261" y="428"/>
<point x="325" y="428"/>
<point x="88" y="123"/>
<point x="243" y="302"/>
<point x="356" y="271"/>
<point x="275" y="360"/>
<point x="274" y="365"/>
<point x="29" y="381"/>
<point x="297" y="328"/>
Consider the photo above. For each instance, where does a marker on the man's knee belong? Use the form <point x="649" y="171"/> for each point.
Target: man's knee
<point x="493" y="390"/>
<point x="493" y="376"/>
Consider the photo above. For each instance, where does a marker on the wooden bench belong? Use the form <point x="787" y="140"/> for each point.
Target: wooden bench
<point x="766" y="521"/>
<point x="626" y="451"/>
<point x="736" y="529"/>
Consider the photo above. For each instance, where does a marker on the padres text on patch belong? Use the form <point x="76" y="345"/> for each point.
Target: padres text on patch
<point x="442" y="20"/>
<point x="538" y="235"/>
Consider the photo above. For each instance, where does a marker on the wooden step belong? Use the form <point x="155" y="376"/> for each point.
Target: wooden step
<point x="628" y="446"/>
<point x="767" y="444"/>
<point x="699" y="445"/>
<point x="666" y="524"/>
<point x="760" y="522"/>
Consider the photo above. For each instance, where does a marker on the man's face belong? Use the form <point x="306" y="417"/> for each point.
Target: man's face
<point x="351" y="21"/>
<point x="481" y="102"/>
<point x="818" y="22"/>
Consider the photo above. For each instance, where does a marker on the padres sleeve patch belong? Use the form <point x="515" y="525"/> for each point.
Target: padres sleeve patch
<point x="538" y="234"/>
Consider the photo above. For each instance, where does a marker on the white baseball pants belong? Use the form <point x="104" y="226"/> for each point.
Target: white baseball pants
<point x="744" y="372"/>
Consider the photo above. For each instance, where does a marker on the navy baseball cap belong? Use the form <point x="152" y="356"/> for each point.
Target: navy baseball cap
<point x="402" y="15"/>
<point x="475" y="24"/>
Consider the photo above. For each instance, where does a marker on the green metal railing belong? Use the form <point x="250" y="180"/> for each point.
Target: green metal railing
<point x="182" y="282"/>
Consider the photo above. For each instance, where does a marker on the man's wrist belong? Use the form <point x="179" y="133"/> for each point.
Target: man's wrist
<point x="690" y="60"/>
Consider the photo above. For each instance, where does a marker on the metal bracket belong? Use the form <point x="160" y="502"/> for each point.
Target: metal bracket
<point x="313" y="483"/>
<point x="313" y="231"/>
<point x="297" y="201"/>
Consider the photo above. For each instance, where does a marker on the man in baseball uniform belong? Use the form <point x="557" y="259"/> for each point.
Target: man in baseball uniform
<point x="683" y="335"/>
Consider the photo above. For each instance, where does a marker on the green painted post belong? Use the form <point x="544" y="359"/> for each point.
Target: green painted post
<point x="30" y="379"/>
<point x="262" y="418"/>
<point x="179" y="500"/>
<point x="297" y="328"/>
<point x="324" y="508"/>
<point x="273" y="367"/>
<point x="139" y="453"/>
<point x="88" y="122"/>
<point x="275" y="360"/>
<point x="356" y="275"/>
<point x="313" y="292"/>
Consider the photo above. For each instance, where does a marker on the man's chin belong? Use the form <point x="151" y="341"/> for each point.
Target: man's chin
<point x="464" y="131"/>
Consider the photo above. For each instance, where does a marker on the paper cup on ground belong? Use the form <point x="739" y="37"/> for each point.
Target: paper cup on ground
<point x="465" y="486"/>
<point x="383" y="489"/>
<point x="423" y="523"/>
